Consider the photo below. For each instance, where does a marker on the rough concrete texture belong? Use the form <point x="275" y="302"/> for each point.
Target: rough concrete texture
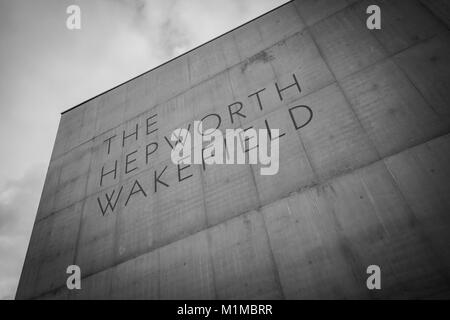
<point x="365" y="181"/>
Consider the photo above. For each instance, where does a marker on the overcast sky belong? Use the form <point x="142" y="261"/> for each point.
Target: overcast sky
<point x="46" y="68"/>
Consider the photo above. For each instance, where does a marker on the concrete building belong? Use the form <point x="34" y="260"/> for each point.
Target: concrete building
<point x="364" y="175"/>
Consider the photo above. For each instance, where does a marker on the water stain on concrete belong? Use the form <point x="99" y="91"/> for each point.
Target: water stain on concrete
<point x="262" y="56"/>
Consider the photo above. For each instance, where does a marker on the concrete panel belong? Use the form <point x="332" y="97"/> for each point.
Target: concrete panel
<point x="149" y="218"/>
<point x="206" y="62"/>
<point x="163" y="83"/>
<point x="157" y="137"/>
<point x="70" y="192"/>
<point x="228" y="46"/>
<point x="213" y="96"/>
<point x="138" y="97"/>
<point x="136" y="219"/>
<point x="171" y="79"/>
<point x="279" y="25"/>
<point x="427" y="66"/>
<point x="248" y="40"/>
<point x="295" y="171"/>
<point x="346" y="43"/>
<point x="440" y="8"/>
<point x="59" y="294"/>
<point x="48" y="192"/>
<point x="66" y="180"/>
<point x="409" y="250"/>
<point x="59" y="251"/>
<point x="186" y="270"/>
<point x="173" y="113"/>
<point x="324" y="238"/>
<point x="106" y="150"/>
<point x="255" y="81"/>
<point x="229" y="191"/>
<point x="391" y="110"/>
<point x="95" y="287"/>
<point x="243" y="263"/>
<point x="249" y="77"/>
<point x="180" y="207"/>
<point x="110" y="109"/>
<point x="423" y="177"/>
<point x="75" y="163"/>
<point x="334" y="140"/>
<point x="76" y="127"/>
<point x="137" y="278"/>
<point x="309" y="252"/>
<point x="264" y="33"/>
<point x="27" y="285"/>
<point x="299" y="53"/>
<point x="95" y="248"/>
<point x="60" y="142"/>
<point x="313" y="11"/>
<point x="404" y="23"/>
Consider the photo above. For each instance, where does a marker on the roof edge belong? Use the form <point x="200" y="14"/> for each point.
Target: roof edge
<point x="185" y="53"/>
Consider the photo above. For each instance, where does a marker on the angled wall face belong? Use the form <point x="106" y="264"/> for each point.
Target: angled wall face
<point x="365" y="181"/>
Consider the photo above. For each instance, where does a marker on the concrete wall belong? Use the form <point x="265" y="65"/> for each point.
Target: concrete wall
<point x="366" y="181"/>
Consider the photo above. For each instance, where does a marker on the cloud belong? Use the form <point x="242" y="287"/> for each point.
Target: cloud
<point x="47" y="68"/>
<point x="18" y="205"/>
